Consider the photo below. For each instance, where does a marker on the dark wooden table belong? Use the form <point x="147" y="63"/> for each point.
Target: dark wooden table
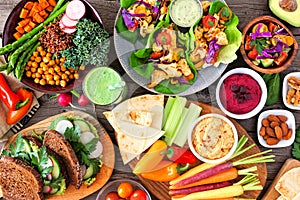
<point x="244" y="9"/>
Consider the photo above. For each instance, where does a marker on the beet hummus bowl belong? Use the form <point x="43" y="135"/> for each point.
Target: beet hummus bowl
<point x="241" y="93"/>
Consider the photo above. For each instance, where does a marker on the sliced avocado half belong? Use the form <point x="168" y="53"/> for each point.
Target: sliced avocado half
<point x="290" y="17"/>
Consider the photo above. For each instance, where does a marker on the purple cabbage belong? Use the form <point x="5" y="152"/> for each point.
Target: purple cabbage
<point x="182" y="80"/>
<point x="153" y="60"/>
<point x="281" y="31"/>
<point x="257" y="33"/>
<point x="264" y="55"/>
<point x="147" y="5"/>
<point x="129" y="21"/>
<point x="212" y="50"/>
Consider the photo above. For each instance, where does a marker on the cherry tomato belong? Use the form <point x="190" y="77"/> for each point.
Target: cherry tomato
<point x="138" y="195"/>
<point x="125" y="190"/>
<point x="209" y="21"/>
<point x="112" y="196"/>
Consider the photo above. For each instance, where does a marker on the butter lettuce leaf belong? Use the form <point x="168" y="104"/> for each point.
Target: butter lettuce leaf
<point x="126" y="3"/>
<point x="166" y="87"/>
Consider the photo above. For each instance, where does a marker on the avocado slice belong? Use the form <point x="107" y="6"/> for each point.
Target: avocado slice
<point x="290" y="17"/>
<point x="267" y="62"/>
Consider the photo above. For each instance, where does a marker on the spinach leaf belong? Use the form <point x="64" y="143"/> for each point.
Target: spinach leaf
<point x="296" y="145"/>
<point x="124" y="32"/>
<point x="138" y="60"/>
<point x="167" y="88"/>
<point x="273" y="86"/>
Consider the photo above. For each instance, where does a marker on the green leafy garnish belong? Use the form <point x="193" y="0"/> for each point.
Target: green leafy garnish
<point x="91" y="45"/>
<point x="260" y="44"/>
<point x="273" y="87"/>
<point x="296" y="145"/>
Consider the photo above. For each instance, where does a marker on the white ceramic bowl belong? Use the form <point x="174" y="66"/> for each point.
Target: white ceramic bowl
<point x="290" y="122"/>
<point x="224" y="158"/>
<point x="258" y="79"/>
<point x="285" y="89"/>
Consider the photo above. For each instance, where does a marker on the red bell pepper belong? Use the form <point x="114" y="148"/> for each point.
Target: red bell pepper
<point x="272" y="27"/>
<point x="253" y="54"/>
<point x="180" y="155"/>
<point x="209" y="21"/>
<point x="13" y="116"/>
<point x="281" y="58"/>
<point x="8" y="97"/>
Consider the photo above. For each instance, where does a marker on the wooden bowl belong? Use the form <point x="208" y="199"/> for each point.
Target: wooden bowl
<point x="9" y="30"/>
<point x="268" y="70"/>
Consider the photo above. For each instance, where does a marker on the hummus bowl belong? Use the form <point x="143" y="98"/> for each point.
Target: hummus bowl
<point x="213" y="138"/>
<point x="241" y="93"/>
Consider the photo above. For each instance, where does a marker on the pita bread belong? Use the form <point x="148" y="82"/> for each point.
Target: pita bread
<point x="289" y="184"/>
<point x="148" y="113"/>
<point x="130" y="147"/>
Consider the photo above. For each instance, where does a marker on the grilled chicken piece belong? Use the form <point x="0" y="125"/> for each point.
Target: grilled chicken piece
<point x="157" y="77"/>
<point x="171" y="69"/>
<point x="184" y="67"/>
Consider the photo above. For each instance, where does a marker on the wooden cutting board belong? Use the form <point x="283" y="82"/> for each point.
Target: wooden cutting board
<point x="160" y="190"/>
<point x="108" y="158"/>
<point x="288" y="165"/>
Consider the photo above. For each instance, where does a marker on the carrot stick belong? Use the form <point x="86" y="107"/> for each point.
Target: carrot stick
<point x="226" y="175"/>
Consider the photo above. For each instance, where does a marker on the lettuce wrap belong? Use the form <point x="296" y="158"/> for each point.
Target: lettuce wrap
<point x="218" y="29"/>
<point x="165" y="59"/>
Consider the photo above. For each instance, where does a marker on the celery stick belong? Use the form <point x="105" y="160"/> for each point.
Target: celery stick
<point x="192" y="114"/>
<point x="181" y="120"/>
<point x="167" y="109"/>
<point x="174" y="118"/>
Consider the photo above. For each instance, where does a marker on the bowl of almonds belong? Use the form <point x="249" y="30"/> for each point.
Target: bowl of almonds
<point x="276" y="128"/>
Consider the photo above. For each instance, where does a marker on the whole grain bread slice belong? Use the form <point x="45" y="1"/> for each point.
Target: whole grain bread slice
<point x="19" y="180"/>
<point x="59" y="144"/>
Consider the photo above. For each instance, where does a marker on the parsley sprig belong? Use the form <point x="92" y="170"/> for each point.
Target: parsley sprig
<point x="260" y="44"/>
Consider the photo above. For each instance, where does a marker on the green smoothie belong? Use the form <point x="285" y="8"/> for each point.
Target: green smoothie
<point x="102" y="86"/>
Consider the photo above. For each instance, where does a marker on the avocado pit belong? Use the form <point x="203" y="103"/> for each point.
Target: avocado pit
<point x="288" y="5"/>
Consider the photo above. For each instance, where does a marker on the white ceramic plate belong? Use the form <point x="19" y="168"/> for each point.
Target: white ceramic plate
<point x="290" y="122"/>
<point x="259" y="80"/>
<point x="285" y="89"/>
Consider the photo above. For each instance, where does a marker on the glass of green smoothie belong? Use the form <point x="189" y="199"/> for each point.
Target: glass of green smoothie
<point x="104" y="86"/>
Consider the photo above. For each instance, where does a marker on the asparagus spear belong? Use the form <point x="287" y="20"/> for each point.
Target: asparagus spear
<point x="10" y="47"/>
<point x="19" y="70"/>
<point x="58" y="5"/>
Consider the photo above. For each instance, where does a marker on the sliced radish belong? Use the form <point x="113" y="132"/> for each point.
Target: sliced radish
<point x="67" y="22"/>
<point x="83" y="170"/>
<point x="47" y="189"/>
<point x="62" y="125"/>
<point x="86" y="137"/>
<point x="98" y="151"/>
<point x="49" y="177"/>
<point x="69" y="30"/>
<point x="75" y="10"/>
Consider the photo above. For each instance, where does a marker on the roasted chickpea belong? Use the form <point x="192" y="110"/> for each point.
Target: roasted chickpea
<point x="39" y="48"/>
<point x="43" y="53"/>
<point x="34" y="65"/>
<point x="49" y="77"/>
<point x="63" y="83"/>
<point x="28" y="73"/>
<point x="51" y="82"/>
<point x="40" y="70"/>
<point x="46" y="59"/>
<point x="51" y="70"/>
<point x="38" y="75"/>
<point x="71" y="76"/>
<point x="33" y="75"/>
<point x="27" y="68"/>
<point x="51" y="62"/>
<point x="43" y="82"/>
<point x="49" y="55"/>
<point x="38" y="59"/>
<point x="60" y="73"/>
<point x="35" y="54"/>
<point x="82" y="67"/>
<point x="76" y="76"/>
<point x="64" y="76"/>
<point x="63" y="68"/>
<point x="32" y="58"/>
<point x="62" y="59"/>
<point x="29" y="63"/>
<point x="32" y="69"/>
<point x="45" y="68"/>
<point x="57" y="68"/>
<point x="36" y="80"/>
<point x="56" y="77"/>
<point x="57" y="61"/>
<point x="67" y="72"/>
<point x="57" y="82"/>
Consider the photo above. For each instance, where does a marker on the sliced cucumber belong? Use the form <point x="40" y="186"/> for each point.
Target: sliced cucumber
<point x="55" y="121"/>
<point x="62" y="125"/>
<point x="86" y="137"/>
<point x="89" y="172"/>
<point x="84" y="126"/>
<point x="267" y="62"/>
<point x="56" y="168"/>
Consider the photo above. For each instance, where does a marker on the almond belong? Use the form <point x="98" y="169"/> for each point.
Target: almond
<point x="278" y="132"/>
<point x="265" y="122"/>
<point x="282" y="118"/>
<point x="270" y="132"/>
<point x="262" y="131"/>
<point x="289" y="135"/>
<point x="273" y="124"/>
<point x="272" y="141"/>
<point x="284" y="128"/>
<point x="266" y="137"/>
<point x="273" y="118"/>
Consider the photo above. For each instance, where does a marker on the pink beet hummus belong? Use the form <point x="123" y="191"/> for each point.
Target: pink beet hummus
<point x="240" y="93"/>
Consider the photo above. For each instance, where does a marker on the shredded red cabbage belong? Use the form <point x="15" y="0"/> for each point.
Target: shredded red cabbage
<point x="128" y="19"/>
<point x="257" y="33"/>
<point x="153" y="60"/>
<point x="264" y="55"/>
<point x="212" y="50"/>
<point x="182" y="80"/>
<point x="147" y="5"/>
<point x="281" y="31"/>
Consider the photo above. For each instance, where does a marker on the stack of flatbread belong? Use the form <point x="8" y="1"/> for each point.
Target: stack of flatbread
<point x="289" y="185"/>
<point x="137" y="123"/>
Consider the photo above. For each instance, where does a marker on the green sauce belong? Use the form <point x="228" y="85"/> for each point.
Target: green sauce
<point x="185" y="13"/>
<point x="97" y="83"/>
